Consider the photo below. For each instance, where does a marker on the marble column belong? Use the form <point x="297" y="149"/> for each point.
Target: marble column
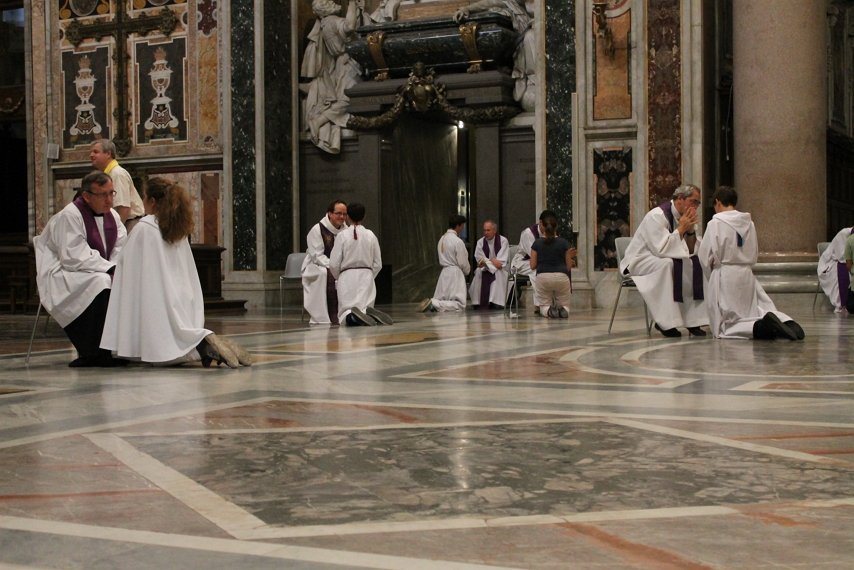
<point x="780" y="100"/>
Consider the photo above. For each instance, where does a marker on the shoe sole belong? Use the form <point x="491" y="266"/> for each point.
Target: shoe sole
<point x="424" y="306"/>
<point x="778" y="327"/>
<point x="363" y="318"/>
<point x="380" y="316"/>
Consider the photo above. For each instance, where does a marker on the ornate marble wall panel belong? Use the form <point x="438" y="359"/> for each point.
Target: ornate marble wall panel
<point x="612" y="70"/>
<point x="208" y="86"/>
<point x="161" y="107"/>
<point x="664" y="166"/>
<point x="278" y="176"/>
<point x="86" y="88"/>
<point x="559" y="25"/>
<point x="243" y="170"/>
<point x="612" y="170"/>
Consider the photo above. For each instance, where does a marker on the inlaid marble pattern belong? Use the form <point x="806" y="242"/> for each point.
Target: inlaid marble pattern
<point x="442" y="442"/>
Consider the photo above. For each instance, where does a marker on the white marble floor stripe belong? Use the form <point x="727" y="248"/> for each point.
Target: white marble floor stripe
<point x="226" y="515"/>
<point x="410" y="426"/>
<point x="140" y="420"/>
<point x="347" y="559"/>
<point x="760" y="386"/>
<point x="758" y="448"/>
<point x="633" y="359"/>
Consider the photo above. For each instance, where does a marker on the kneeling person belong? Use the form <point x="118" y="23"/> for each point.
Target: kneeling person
<point x="737" y="304"/>
<point x="355" y="262"/>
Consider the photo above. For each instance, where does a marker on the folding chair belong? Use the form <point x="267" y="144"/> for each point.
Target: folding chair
<point x="33" y="335"/>
<point x="293" y="270"/>
<point x="621" y="244"/>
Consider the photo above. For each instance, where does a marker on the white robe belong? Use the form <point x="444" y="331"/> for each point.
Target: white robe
<point x="354" y="263"/>
<point x="734" y="298"/>
<point x="314" y="273"/>
<point x="827" y="273"/>
<point x="521" y="261"/>
<point x="157" y="311"/>
<point x="649" y="261"/>
<point x="450" y="294"/>
<point x="69" y="273"/>
<point x="498" y="291"/>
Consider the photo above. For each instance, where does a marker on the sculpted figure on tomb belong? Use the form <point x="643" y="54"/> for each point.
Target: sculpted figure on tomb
<point x="525" y="56"/>
<point x="331" y="71"/>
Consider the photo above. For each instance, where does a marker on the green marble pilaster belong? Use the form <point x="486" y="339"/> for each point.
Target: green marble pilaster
<point x="560" y="85"/>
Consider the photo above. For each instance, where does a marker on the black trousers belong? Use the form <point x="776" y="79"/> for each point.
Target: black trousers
<point x="85" y="331"/>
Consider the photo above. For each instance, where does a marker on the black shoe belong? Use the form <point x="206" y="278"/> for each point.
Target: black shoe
<point x="696" y="331"/>
<point x="796" y="328"/>
<point x="762" y="331"/>
<point x="670" y="333"/>
<point x="496" y="307"/>
<point x="80" y="363"/>
<point x="379" y="316"/>
<point x="779" y="329"/>
<point x="562" y="313"/>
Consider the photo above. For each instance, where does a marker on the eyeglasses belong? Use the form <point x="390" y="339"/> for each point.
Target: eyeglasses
<point x="339" y="213"/>
<point x="112" y="194"/>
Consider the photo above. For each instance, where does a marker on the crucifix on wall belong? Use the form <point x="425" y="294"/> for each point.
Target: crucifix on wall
<point x="120" y="28"/>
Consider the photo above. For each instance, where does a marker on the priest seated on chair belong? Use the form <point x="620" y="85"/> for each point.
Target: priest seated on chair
<point x="662" y="260"/>
<point x="488" y="289"/>
<point x="75" y="261"/>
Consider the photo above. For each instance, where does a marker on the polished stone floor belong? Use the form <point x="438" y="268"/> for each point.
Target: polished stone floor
<point x="442" y="442"/>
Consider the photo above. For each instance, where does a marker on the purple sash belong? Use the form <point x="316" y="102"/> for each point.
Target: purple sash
<point x="696" y="269"/>
<point x="486" y="277"/>
<point x="93" y="236"/>
<point x="535" y="229"/>
<point x="331" y="292"/>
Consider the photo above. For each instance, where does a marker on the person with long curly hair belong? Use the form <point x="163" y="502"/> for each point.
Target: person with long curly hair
<point x="156" y="312"/>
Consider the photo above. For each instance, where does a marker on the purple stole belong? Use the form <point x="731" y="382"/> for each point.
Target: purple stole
<point x="697" y="270"/>
<point x="93" y="236"/>
<point x="535" y="229"/>
<point x="487" y="278"/>
<point x="331" y="293"/>
<point x="844" y="279"/>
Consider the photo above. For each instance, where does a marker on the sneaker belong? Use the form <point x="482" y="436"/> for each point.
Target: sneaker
<point x="670" y="333"/>
<point x="361" y="318"/>
<point x="696" y="331"/>
<point x="425" y="305"/>
<point x="562" y="312"/>
<point x="379" y="316"/>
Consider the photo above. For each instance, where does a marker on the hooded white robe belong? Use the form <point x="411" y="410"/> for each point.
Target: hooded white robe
<point x="827" y="272"/>
<point x="69" y="273"/>
<point x="498" y="291"/>
<point x="314" y="274"/>
<point x="649" y="259"/>
<point x="734" y="298"/>
<point x="355" y="262"/>
<point x="450" y="294"/>
<point x="157" y="311"/>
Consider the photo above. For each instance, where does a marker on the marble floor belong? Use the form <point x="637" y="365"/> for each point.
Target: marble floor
<point x="446" y="441"/>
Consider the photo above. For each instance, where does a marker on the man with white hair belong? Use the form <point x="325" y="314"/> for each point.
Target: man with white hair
<point x="662" y="260"/>
<point x="127" y="203"/>
<point x="488" y="289"/>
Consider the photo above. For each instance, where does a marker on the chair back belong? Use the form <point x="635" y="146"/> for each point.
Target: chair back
<point x="511" y="253"/>
<point x="621" y="244"/>
<point x="293" y="265"/>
